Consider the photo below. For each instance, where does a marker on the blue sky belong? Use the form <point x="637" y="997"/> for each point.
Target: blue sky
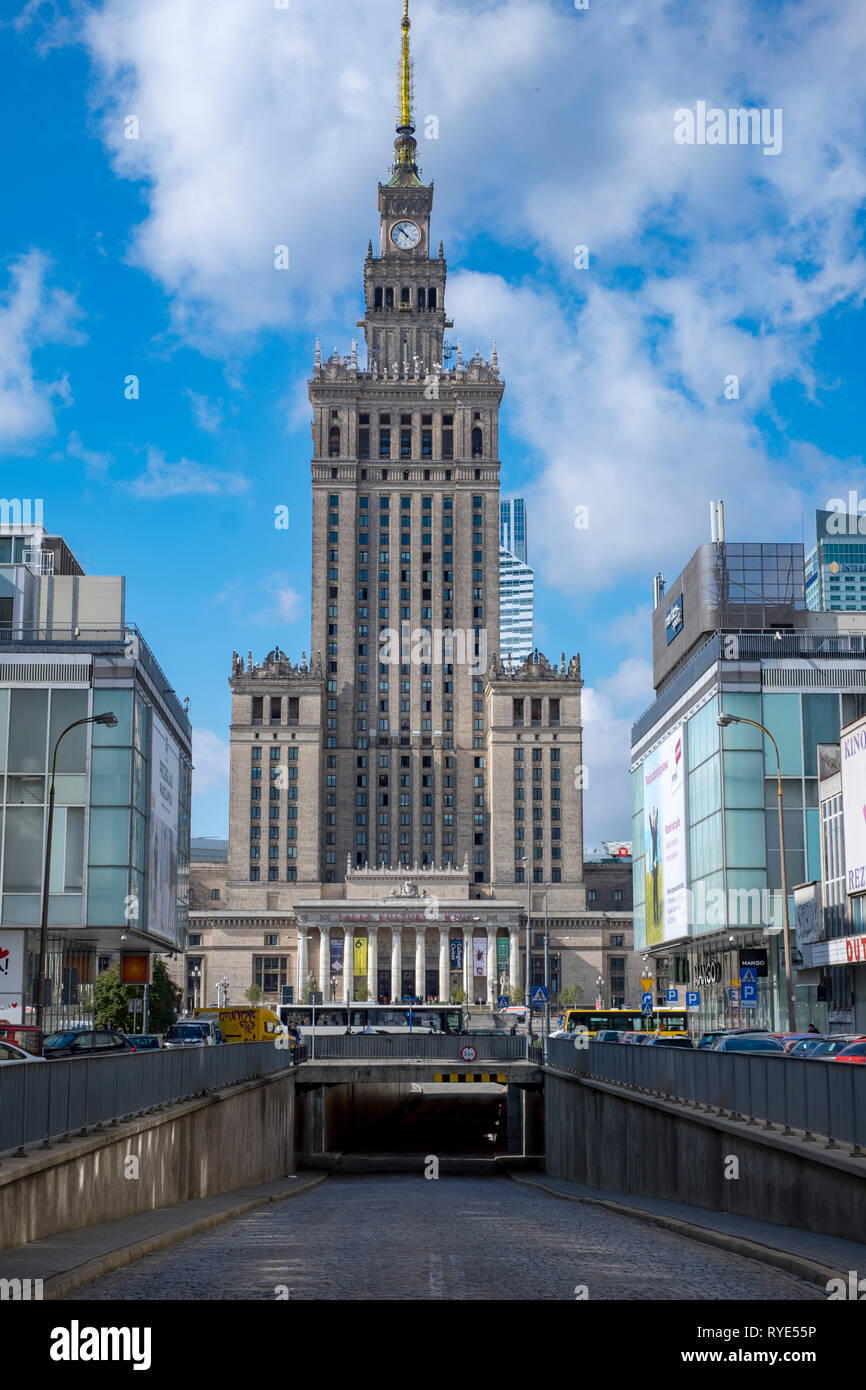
<point x="260" y="126"/>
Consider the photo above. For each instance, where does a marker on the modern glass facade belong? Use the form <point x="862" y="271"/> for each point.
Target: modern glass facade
<point x="516" y="608"/>
<point x="733" y="856"/>
<point x="835" y="573"/>
<point x="512" y="527"/>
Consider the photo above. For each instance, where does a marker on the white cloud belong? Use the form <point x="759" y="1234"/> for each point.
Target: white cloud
<point x="183" y="479"/>
<point x="607" y="794"/>
<point x="33" y="315"/>
<point x="286" y="604"/>
<point x="207" y="413"/>
<point x="95" y="464"/>
<point x="210" y="757"/>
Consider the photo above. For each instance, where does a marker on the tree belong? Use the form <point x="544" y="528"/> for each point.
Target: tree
<point x="362" y="994"/>
<point x="457" y="996"/>
<point x="254" y="994"/>
<point x="516" y="995"/>
<point x="111" y="1001"/>
<point x="164" y="999"/>
<point x="570" y="996"/>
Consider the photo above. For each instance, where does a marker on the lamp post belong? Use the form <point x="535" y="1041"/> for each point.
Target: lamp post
<point x="110" y="720"/>
<point x="527" y="1014"/>
<point x="546" y="974"/>
<point x="195" y="976"/>
<point x="223" y="985"/>
<point x="724" y="720"/>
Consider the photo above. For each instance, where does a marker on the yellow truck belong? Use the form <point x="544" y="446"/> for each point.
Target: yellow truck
<point x="248" y="1024"/>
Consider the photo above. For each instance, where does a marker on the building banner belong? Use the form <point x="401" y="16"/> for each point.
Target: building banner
<point x="360" y="956"/>
<point x="457" y="953"/>
<point x="336" y="955"/>
<point x="12" y="975"/>
<point x="502" y="953"/>
<point x="479" y="947"/>
<point x="665" y="838"/>
<point x="854" y="808"/>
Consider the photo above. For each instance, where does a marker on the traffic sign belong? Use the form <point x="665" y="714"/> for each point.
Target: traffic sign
<point x="693" y="998"/>
<point x="749" y="992"/>
<point x="734" y="996"/>
<point x="672" y="996"/>
<point x="748" y="1003"/>
<point x="503" y="1001"/>
<point x="646" y="997"/>
<point x="468" y="1053"/>
<point x="646" y="1007"/>
<point x="646" y="982"/>
<point x="749" y="976"/>
<point x="539" y="994"/>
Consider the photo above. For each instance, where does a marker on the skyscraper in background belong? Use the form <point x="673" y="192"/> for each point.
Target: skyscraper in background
<point x="516" y="584"/>
<point x="835" y="571"/>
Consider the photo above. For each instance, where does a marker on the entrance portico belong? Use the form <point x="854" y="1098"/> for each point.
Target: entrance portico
<point x="423" y="922"/>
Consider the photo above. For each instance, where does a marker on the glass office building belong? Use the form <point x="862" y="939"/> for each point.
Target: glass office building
<point x="516" y="584"/>
<point x="707" y="859"/>
<point x="836" y="565"/>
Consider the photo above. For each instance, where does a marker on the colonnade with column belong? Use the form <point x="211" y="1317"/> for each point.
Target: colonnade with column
<point x="401" y="944"/>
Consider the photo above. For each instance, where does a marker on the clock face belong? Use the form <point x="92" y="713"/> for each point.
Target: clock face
<point x="405" y="235"/>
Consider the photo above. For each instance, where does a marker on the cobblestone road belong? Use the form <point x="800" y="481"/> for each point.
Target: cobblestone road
<point x="403" y="1237"/>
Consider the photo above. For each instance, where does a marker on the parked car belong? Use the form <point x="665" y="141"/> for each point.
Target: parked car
<point x="707" y="1039"/>
<point x="821" y="1047"/>
<point x="10" y="1053"/>
<point x="660" y="1040"/>
<point x="636" y="1039"/>
<point x="189" y="1033"/>
<point x="760" y="1044"/>
<point x="85" y="1042"/>
<point x="789" y="1040"/>
<point x="855" y="1052"/>
<point x="604" y="1035"/>
<point x="144" y="1042"/>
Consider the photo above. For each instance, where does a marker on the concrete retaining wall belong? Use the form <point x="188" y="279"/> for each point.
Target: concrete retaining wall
<point x="230" y="1139"/>
<point x="639" y="1146"/>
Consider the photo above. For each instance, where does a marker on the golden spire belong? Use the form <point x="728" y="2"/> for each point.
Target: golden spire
<point x="406" y="73"/>
<point x="404" y="145"/>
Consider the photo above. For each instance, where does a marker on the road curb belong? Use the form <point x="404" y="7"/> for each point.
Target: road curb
<point x="59" y="1285"/>
<point x="800" y="1265"/>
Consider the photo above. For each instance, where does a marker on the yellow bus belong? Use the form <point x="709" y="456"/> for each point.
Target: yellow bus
<point x="669" y="1023"/>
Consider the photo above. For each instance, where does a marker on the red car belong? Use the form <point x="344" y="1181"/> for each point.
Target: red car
<point x="855" y="1053"/>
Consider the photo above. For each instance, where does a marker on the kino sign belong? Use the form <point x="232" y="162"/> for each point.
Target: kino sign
<point x="406" y="917"/>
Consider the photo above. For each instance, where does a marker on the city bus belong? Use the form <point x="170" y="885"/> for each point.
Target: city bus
<point x="384" y="1018"/>
<point x="670" y="1023"/>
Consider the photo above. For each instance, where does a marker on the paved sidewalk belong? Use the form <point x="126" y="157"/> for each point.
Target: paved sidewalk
<point x="812" y="1256"/>
<point x="67" y="1261"/>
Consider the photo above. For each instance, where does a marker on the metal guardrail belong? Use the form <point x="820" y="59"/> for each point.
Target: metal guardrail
<point x="410" y="1047"/>
<point x="817" y="1098"/>
<point x="53" y="1100"/>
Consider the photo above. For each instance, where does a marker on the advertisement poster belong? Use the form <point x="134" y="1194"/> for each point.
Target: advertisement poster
<point x="360" y="956"/>
<point x="664" y="774"/>
<point x="161" y="917"/>
<point x="12" y="975"/>
<point x="502" y="950"/>
<point x="479" y="948"/>
<point x="457" y="953"/>
<point x="854" y="808"/>
<point x="336" y="955"/>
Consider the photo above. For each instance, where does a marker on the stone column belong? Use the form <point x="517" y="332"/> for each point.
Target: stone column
<point x="514" y="959"/>
<point x="324" y="961"/>
<point x="348" y="964"/>
<point x="420" y="963"/>
<point x="491" y="967"/>
<point x="373" y="964"/>
<point x="302" y="960"/>
<point x="444" y="964"/>
<point x="468" y="977"/>
<point x="396" y="963"/>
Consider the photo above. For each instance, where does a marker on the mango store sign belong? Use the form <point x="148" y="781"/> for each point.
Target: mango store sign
<point x="12" y="975"/>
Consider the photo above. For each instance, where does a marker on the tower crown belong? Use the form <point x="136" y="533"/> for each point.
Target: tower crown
<point x="405" y="146"/>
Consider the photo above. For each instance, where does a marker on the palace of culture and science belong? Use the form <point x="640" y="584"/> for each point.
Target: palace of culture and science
<point x="397" y="796"/>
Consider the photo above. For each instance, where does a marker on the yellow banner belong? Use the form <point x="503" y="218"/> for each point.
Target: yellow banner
<point x="360" y="955"/>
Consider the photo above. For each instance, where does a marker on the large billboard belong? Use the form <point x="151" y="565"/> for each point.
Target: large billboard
<point x="665" y="831"/>
<point x="854" y="807"/>
<point x="161" y="919"/>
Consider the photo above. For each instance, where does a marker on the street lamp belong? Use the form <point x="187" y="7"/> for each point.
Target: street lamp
<point x="527" y="1011"/>
<point x="546" y="974"/>
<point x="223" y="985"/>
<point x="110" y="720"/>
<point x="195" y="976"/>
<point x="724" y="720"/>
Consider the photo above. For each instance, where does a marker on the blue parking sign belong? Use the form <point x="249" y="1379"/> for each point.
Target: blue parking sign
<point x="672" y="996"/>
<point x="693" y="998"/>
<point x="748" y="993"/>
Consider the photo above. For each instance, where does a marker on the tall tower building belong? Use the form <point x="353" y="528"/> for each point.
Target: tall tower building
<point x="410" y="758"/>
<point x="516" y="583"/>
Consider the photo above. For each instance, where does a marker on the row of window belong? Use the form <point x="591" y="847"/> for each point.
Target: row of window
<point x="396" y="441"/>
<point x="385" y="296"/>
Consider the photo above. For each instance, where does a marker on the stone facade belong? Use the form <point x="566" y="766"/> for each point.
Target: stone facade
<point x="404" y="749"/>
